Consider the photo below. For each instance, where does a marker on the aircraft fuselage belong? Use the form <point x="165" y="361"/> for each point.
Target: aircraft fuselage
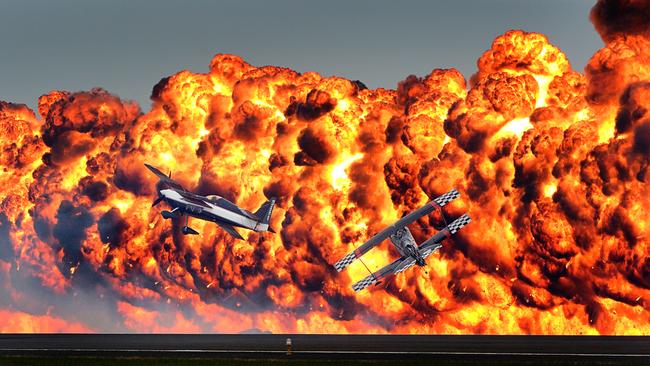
<point x="403" y="240"/>
<point x="218" y="210"/>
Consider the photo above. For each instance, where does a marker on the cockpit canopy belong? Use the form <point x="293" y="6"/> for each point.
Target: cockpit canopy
<point x="213" y="198"/>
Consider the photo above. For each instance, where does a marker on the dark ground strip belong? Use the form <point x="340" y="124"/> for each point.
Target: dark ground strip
<point x="122" y="361"/>
<point x="497" y="348"/>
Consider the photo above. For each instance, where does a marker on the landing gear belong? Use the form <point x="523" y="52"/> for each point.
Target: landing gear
<point x="188" y="230"/>
<point x="170" y="214"/>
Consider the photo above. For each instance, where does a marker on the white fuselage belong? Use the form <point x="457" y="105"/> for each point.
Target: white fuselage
<point x="202" y="208"/>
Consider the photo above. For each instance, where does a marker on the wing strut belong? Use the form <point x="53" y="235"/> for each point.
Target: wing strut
<point x="444" y="218"/>
<point x="368" y="269"/>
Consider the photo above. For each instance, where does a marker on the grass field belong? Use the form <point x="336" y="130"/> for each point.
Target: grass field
<point x="105" y="361"/>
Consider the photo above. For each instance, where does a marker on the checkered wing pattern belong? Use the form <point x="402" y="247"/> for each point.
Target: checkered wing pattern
<point x="398" y="265"/>
<point x="458" y="224"/>
<point x="447" y="197"/>
<point x="406" y="264"/>
<point x="369" y="280"/>
<point x="345" y="261"/>
<point x="425" y="252"/>
<point x="364" y="248"/>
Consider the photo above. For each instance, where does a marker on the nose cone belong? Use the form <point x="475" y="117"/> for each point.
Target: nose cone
<point x="170" y="194"/>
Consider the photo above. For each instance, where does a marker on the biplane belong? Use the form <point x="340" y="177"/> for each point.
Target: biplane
<point x="403" y="240"/>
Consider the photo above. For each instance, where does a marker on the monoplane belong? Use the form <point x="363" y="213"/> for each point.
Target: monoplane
<point x="210" y="208"/>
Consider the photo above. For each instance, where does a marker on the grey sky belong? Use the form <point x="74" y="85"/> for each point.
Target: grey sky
<point x="126" y="47"/>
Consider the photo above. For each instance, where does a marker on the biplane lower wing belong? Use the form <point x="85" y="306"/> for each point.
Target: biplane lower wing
<point x="352" y="256"/>
<point x="432" y="244"/>
<point x="397" y="266"/>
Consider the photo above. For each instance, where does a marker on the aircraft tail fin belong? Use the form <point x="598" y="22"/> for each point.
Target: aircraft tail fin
<point x="264" y="212"/>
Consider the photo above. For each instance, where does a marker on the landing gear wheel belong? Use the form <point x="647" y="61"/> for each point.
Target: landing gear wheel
<point x="188" y="230"/>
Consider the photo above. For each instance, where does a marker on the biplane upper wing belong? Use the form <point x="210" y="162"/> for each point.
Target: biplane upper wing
<point x="438" y="202"/>
<point x="352" y="256"/>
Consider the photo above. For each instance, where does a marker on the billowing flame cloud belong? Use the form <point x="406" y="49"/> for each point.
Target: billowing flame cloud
<point x="552" y="166"/>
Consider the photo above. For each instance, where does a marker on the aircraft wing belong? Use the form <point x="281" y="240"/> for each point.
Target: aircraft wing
<point x="438" y="202"/>
<point x="170" y="182"/>
<point x="426" y="249"/>
<point x="432" y="244"/>
<point x="397" y="266"/>
<point x="157" y="172"/>
<point x="425" y="252"/>
<point x="230" y="230"/>
<point x="352" y="256"/>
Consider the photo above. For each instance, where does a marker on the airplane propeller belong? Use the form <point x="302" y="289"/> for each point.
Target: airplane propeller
<point x="160" y="198"/>
<point x="157" y="201"/>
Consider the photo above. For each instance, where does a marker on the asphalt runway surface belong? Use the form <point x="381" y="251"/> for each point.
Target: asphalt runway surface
<point x="604" y="348"/>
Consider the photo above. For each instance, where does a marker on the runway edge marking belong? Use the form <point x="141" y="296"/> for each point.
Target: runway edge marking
<point x="326" y="352"/>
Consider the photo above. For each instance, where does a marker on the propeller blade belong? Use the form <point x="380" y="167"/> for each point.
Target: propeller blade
<point x="157" y="201"/>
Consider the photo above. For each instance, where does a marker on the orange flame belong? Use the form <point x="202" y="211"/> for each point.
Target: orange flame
<point x="552" y="166"/>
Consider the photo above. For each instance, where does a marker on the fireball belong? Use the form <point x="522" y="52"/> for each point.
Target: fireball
<point x="552" y="165"/>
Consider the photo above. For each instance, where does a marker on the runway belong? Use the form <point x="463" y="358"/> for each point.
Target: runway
<point x="331" y="346"/>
